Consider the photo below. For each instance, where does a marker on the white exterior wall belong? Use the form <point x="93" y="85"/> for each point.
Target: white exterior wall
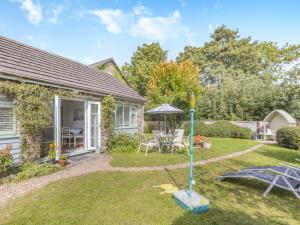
<point x="278" y="122"/>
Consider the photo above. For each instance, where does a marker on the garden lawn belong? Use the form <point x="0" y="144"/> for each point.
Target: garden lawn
<point x="129" y="198"/>
<point x="220" y="146"/>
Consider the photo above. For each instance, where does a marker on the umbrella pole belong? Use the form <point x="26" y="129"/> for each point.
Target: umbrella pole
<point x="166" y="123"/>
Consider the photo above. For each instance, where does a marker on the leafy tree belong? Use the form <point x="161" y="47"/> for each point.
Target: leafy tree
<point x="290" y="89"/>
<point x="244" y="79"/>
<point x="142" y="62"/>
<point x="227" y="51"/>
<point x="243" y="98"/>
<point x="173" y="82"/>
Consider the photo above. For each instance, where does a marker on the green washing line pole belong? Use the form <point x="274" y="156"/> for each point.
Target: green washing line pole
<point x="192" y="111"/>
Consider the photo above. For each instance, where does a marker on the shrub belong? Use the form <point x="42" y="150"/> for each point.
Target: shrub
<point x="33" y="169"/>
<point x="5" y="158"/>
<point x="289" y="137"/>
<point x="52" y="150"/>
<point x="218" y="129"/>
<point x="124" y="143"/>
<point x="199" y="127"/>
<point x="226" y="129"/>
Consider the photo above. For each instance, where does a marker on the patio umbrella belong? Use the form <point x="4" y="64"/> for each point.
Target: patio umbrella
<point x="164" y="109"/>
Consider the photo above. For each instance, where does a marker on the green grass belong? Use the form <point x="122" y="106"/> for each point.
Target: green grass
<point x="220" y="146"/>
<point x="129" y="198"/>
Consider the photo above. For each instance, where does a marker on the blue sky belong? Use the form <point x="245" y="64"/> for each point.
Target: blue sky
<point x="91" y="30"/>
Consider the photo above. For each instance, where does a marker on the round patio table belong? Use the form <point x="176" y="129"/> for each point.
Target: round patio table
<point x="166" y="141"/>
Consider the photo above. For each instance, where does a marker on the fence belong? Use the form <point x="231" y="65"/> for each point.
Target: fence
<point x="255" y="126"/>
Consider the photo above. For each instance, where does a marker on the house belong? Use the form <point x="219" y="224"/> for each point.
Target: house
<point x="275" y="120"/>
<point x="110" y="66"/>
<point x="77" y="126"/>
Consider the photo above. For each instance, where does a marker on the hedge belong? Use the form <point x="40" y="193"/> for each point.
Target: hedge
<point x="124" y="143"/>
<point x="219" y="129"/>
<point x="289" y="137"/>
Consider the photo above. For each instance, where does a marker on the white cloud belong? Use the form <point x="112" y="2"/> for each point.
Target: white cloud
<point x="112" y="19"/>
<point x="159" y="28"/>
<point x="34" y="11"/>
<point x="139" y="22"/>
<point x="88" y="60"/>
<point x="141" y="10"/>
<point x="56" y="11"/>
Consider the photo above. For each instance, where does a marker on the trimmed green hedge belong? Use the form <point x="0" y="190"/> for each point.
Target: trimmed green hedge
<point x="219" y="129"/>
<point x="289" y="137"/>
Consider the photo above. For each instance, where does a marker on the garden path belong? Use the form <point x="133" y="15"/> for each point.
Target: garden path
<point x="10" y="191"/>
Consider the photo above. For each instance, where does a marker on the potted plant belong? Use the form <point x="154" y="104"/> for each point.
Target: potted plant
<point x="206" y="144"/>
<point x="198" y="140"/>
<point x="51" y="153"/>
<point x="62" y="160"/>
<point x="201" y="141"/>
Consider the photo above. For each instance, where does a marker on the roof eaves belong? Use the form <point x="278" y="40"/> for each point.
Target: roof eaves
<point x="20" y="78"/>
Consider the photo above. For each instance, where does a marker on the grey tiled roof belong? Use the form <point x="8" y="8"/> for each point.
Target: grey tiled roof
<point x="34" y="64"/>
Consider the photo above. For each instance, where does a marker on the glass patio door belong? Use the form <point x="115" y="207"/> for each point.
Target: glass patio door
<point x="93" y="125"/>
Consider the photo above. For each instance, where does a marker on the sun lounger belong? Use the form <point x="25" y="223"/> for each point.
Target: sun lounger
<point x="274" y="180"/>
<point x="281" y="170"/>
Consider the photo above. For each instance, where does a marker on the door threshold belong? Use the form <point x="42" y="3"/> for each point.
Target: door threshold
<point x="78" y="152"/>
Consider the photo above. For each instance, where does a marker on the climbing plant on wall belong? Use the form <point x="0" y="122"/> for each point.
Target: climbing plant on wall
<point x="108" y="108"/>
<point x="33" y="111"/>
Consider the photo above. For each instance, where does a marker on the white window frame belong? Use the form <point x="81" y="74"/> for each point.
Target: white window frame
<point x="132" y="110"/>
<point x="10" y="105"/>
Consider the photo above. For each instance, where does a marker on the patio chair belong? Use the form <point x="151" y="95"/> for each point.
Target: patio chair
<point x="149" y="144"/>
<point x="178" y="135"/>
<point x="66" y="135"/>
<point x="182" y="143"/>
<point x="274" y="180"/>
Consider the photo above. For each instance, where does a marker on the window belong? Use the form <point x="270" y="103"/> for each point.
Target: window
<point x="119" y="116"/>
<point x="126" y="116"/>
<point x="7" y="118"/>
<point x="133" y="116"/>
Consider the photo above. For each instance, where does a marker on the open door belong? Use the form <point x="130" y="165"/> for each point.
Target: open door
<point x="93" y="126"/>
<point x="57" y="125"/>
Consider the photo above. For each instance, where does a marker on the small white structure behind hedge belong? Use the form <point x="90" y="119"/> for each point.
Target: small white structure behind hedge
<point x="275" y="120"/>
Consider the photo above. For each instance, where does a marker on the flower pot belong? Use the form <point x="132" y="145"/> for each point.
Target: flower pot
<point x="206" y="144"/>
<point x="52" y="161"/>
<point x="62" y="163"/>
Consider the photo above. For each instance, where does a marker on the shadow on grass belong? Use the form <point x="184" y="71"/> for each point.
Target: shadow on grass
<point x="245" y="191"/>
<point x="227" y="216"/>
<point x="172" y="178"/>
<point x="287" y="155"/>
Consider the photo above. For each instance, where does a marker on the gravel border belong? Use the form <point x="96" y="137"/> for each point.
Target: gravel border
<point x="100" y="163"/>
